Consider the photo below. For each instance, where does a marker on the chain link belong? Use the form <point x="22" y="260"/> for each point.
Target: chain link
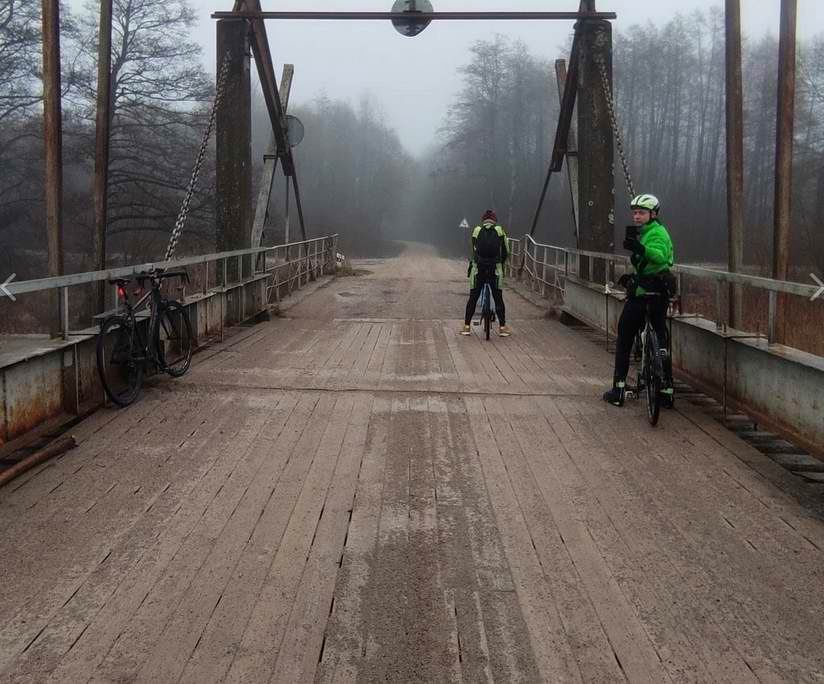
<point x="184" y="209"/>
<point x="614" y="123"/>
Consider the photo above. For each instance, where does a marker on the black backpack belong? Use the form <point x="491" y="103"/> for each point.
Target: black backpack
<point x="488" y="246"/>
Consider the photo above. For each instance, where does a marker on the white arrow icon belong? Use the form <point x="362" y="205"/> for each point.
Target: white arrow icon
<point x="4" y="290"/>
<point x="820" y="287"/>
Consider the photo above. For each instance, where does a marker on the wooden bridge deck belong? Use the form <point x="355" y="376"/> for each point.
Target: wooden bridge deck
<point x="354" y="491"/>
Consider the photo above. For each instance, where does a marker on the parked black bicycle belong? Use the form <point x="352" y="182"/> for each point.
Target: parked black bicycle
<point x="651" y="377"/>
<point x="129" y="343"/>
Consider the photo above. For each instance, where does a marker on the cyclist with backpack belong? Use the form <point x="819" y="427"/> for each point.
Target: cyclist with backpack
<point x="489" y="252"/>
<point x="652" y="259"/>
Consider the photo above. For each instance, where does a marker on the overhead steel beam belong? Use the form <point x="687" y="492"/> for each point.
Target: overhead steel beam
<point x="421" y="16"/>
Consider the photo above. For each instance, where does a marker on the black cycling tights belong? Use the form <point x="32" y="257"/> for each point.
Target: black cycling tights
<point x="631" y="321"/>
<point x="475" y="294"/>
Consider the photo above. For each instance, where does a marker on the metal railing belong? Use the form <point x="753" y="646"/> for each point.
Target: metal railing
<point x="287" y="266"/>
<point x="547" y="267"/>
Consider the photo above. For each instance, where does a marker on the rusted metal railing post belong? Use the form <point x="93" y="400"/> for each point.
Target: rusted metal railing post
<point x="101" y="157"/>
<point x="53" y="142"/>
<point x="771" y="312"/>
<point x="735" y="157"/>
<point x="64" y="312"/>
<point x="543" y="273"/>
<point x="784" y="153"/>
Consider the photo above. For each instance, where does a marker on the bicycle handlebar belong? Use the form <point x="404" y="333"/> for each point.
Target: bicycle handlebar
<point x="146" y="275"/>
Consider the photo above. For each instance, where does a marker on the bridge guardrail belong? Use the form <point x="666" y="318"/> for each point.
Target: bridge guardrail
<point x="546" y="267"/>
<point x="286" y="266"/>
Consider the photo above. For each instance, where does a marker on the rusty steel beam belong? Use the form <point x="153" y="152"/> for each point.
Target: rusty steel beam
<point x="101" y="157"/>
<point x="784" y="153"/>
<point x="233" y="143"/>
<point x="53" y="140"/>
<point x="596" y="182"/>
<point x="735" y="155"/>
<point x="571" y="147"/>
<point x="266" y="73"/>
<point x="421" y="16"/>
<point x="559" y="147"/>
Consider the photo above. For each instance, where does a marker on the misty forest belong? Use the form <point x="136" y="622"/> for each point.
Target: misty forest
<point x="356" y="177"/>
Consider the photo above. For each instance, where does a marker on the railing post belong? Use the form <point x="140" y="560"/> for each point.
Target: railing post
<point x="64" y="312"/>
<point x="771" y="317"/>
<point x="718" y="323"/>
<point x="543" y="274"/>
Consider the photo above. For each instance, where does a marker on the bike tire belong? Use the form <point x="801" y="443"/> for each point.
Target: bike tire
<point x="652" y="379"/>
<point x="120" y="372"/>
<point x="174" y="341"/>
<point x="487" y="316"/>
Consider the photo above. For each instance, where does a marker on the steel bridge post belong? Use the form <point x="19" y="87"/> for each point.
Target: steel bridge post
<point x="596" y="181"/>
<point x="53" y="144"/>
<point x="234" y="143"/>
<point x="784" y="155"/>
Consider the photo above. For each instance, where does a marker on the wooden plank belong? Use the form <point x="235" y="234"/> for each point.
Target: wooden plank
<point x="345" y="633"/>
<point x="221" y="637"/>
<point x="138" y="561"/>
<point x="184" y="630"/>
<point x="552" y="652"/>
<point x="302" y="646"/>
<point x="257" y="652"/>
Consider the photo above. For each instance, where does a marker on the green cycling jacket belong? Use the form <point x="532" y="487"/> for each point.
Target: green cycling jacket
<point x="658" y="253"/>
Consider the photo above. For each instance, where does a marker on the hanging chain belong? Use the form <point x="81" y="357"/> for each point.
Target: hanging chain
<point x="614" y="123"/>
<point x="184" y="209"/>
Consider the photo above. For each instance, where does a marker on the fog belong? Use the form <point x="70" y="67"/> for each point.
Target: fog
<point x="413" y="80"/>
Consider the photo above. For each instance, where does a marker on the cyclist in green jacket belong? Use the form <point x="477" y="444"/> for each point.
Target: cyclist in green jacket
<point x="652" y="259"/>
<point x="489" y="253"/>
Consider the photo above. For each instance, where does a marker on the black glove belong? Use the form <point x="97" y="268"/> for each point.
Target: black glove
<point x="634" y="245"/>
<point x="626" y="281"/>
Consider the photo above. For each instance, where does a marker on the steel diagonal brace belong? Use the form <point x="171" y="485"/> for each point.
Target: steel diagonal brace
<point x="268" y="82"/>
<point x="270" y="163"/>
<point x="559" y="149"/>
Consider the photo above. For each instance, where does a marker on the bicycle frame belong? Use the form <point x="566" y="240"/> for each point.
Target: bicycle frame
<point x="151" y="300"/>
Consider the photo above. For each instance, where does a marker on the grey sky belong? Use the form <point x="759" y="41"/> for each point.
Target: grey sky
<point x="414" y="79"/>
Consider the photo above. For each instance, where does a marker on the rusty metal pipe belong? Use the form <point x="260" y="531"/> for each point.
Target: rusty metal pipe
<point x="56" y="448"/>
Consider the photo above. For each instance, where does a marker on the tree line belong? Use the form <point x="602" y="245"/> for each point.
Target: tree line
<point x="669" y="90"/>
<point x="355" y="176"/>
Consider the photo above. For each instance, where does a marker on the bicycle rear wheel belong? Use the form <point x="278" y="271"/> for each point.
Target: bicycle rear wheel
<point x="486" y="311"/>
<point x="652" y="378"/>
<point x="174" y="339"/>
<point x="118" y="365"/>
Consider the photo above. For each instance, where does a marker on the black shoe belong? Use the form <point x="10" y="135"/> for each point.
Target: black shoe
<point x="616" y="395"/>
<point x="667" y="398"/>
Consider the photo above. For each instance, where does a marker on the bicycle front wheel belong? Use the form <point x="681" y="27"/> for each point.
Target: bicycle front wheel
<point x="652" y="378"/>
<point x="174" y="339"/>
<point x="118" y="363"/>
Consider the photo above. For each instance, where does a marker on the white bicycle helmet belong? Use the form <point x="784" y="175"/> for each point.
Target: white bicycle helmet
<point x="649" y="202"/>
